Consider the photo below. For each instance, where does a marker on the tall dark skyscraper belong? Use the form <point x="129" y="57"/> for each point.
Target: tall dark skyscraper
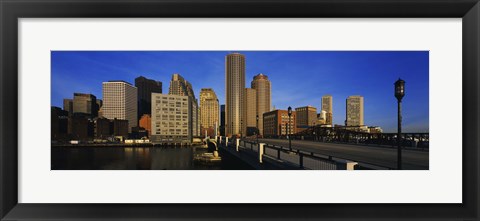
<point x="222" y="120"/>
<point x="145" y="88"/>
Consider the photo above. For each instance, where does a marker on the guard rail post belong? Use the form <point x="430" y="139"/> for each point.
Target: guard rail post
<point x="346" y="165"/>
<point x="238" y="144"/>
<point x="261" y="147"/>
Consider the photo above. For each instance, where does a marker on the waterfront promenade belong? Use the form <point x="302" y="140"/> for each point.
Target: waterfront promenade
<point x="384" y="156"/>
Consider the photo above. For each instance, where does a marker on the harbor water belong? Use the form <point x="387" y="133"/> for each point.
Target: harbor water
<point x="136" y="158"/>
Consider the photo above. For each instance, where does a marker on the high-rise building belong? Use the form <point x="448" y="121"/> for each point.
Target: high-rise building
<point x="100" y="112"/>
<point x="222" y="120"/>
<point x="276" y="123"/>
<point x="354" y="111"/>
<point x="251" y="106"/>
<point x="68" y="106"/>
<point x="263" y="87"/>
<point x="120" y="102"/>
<point x="145" y="88"/>
<point x="180" y="86"/>
<point x="235" y="90"/>
<point x="306" y="117"/>
<point x="171" y="119"/>
<point x="85" y="104"/>
<point x="327" y="106"/>
<point x="209" y="111"/>
<point x="99" y="103"/>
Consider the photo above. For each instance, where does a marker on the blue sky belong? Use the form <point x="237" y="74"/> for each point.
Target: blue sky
<point x="298" y="78"/>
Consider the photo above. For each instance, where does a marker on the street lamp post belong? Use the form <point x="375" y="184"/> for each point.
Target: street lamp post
<point x="257" y="129"/>
<point x="399" y="93"/>
<point x="290" y="128"/>
<point x="241" y="128"/>
<point x="314" y="130"/>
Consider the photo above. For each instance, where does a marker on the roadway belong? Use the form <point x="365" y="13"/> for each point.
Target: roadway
<point x="383" y="156"/>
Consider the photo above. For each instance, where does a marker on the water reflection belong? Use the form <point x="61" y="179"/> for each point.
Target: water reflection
<point x="129" y="158"/>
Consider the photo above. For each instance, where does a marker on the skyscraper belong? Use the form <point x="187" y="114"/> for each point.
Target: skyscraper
<point x="99" y="103"/>
<point x="120" y="102"/>
<point x="235" y="90"/>
<point x="251" y="113"/>
<point x="354" y="111"/>
<point x="209" y="110"/>
<point x="180" y="86"/>
<point x="327" y="106"/>
<point x="222" y="120"/>
<point x="145" y="88"/>
<point x="263" y="87"/>
<point x="85" y="104"/>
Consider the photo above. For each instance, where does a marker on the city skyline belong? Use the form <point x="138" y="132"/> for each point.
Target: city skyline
<point x="340" y="74"/>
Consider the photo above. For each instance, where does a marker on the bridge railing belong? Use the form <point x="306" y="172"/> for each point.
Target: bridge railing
<point x="300" y="158"/>
<point x="315" y="161"/>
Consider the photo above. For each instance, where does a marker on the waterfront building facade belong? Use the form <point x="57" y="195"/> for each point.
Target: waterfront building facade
<point x="276" y="123"/>
<point x="354" y="111"/>
<point x="145" y="88"/>
<point x="58" y="124"/>
<point x="120" y="102"/>
<point x="209" y="111"/>
<point x="102" y="128"/>
<point x="121" y="128"/>
<point x="171" y="119"/>
<point x="78" y="128"/>
<point x="235" y="110"/>
<point x="263" y="88"/>
<point x="106" y="129"/>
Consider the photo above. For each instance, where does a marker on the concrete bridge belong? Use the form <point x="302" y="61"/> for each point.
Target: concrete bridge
<point x="276" y="154"/>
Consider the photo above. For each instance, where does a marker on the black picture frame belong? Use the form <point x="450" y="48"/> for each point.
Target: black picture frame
<point x="12" y="10"/>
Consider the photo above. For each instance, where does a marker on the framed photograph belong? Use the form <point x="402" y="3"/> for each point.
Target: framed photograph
<point x="239" y="110"/>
